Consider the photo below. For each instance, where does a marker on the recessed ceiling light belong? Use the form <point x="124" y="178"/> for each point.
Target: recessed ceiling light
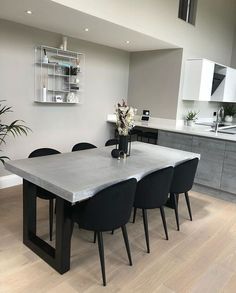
<point x="127" y="42"/>
<point x="86" y="29"/>
<point x="28" y="11"/>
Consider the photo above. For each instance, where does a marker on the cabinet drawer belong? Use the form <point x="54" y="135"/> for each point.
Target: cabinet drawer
<point x="175" y="140"/>
<point x="210" y="149"/>
<point x="210" y="166"/>
<point x="209" y="173"/>
<point x="228" y="181"/>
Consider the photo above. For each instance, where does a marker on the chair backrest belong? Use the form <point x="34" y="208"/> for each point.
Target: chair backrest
<point x="42" y="193"/>
<point x="83" y="146"/>
<point x="43" y="152"/>
<point x="113" y="141"/>
<point x="152" y="190"/>
<point x="183" y="177"/>
<point x="109" y="209"/>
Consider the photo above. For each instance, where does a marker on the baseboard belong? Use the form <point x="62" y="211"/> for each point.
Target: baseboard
<point x="9" y="181"/>
<point x="215" y="192"/>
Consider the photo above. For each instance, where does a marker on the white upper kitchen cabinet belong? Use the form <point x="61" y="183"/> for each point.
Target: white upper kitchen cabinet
<point x="205" y="80"/>
<point x="198" y="79"/>
<point x="226" y="91"/>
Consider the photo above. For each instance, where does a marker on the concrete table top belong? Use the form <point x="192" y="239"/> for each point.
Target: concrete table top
<point x="79" y="175"/>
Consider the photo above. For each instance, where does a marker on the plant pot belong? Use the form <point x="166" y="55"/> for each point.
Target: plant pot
<point x="123" y="143"/>
<point x="228" y="118"/>
<point x="190" y="122"/>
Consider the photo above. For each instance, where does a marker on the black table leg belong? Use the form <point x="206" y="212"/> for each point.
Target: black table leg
<point x="63" y="235"/>
<point x="58" y="257"/>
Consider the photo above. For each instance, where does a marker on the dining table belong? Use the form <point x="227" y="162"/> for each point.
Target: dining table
<point x="77" y="176"/>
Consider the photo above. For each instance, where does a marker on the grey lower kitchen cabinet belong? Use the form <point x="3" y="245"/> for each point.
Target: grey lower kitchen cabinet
<point x="217" y="166"/>
<point x="210" y="166"/>
<point x="228" y="180"/>
<point x="175" y="140"/>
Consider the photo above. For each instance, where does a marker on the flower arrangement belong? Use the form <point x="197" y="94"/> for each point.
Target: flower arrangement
<point x="16" y="128"/>
<point x="125" y="118"/>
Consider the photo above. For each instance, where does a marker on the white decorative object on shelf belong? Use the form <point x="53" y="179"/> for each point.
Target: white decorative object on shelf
<point x="59" y="99"/>
<point x="44" y="94"/>
<point x="59" y="73"/>
<point x="71" y="98"/>
<point x="64" y="42"/>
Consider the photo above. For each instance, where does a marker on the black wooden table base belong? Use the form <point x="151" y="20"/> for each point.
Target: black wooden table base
<point x="58" y="257"/>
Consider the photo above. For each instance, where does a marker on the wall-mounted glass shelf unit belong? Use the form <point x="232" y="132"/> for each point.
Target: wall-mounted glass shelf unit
<point x="59" y="76"/>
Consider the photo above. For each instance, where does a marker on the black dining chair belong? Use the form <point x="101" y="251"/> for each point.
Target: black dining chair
<point x="113" y="141"/>
<point x="151" y="193"/>
<point x="83" y="146"/>
<point x="42" y="193"/>
<point x="109" y="209"/>
<point x="182" y="182"/>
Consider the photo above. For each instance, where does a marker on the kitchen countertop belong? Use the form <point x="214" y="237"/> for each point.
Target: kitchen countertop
<point x="178" y="127"/>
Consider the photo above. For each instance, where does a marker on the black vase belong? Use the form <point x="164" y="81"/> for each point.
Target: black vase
<point x="123" y="143"/>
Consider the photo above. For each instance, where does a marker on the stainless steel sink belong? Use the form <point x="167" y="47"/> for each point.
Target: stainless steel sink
<point x="226" y="129"/>
<point x="212" y="124"/>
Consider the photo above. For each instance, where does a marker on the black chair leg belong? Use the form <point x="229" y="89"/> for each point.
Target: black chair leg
<point x="164" y="221"/>
<point x="134" y="215"/>
<point x="188" y="205"/>
<point x="112" y="232"/>
<point x="50" y="218"/>
<point x="145" y="223"/>
<point x="176" y="209"/>
<point x="94" y="237"/>
<point x="125" y="236"/>
<point x="101" y="255"/>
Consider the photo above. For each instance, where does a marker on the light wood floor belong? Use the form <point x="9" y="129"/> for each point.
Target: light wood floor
<point x="199" y="258"/>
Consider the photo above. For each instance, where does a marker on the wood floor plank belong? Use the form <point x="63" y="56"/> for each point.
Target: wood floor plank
<point x="199" y="258"/>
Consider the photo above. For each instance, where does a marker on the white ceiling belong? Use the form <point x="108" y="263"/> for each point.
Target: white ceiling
<point x="57" y="18"/>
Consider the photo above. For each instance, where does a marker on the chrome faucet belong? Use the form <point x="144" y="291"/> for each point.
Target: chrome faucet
<point x="219" y="118"/>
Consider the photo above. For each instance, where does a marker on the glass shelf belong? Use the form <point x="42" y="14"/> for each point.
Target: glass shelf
<point x="52" y="64"/>
<point x="52" y="102"/>
<point x="60" y="56"/>
<point x="59" y="91"/>
<point x="58" y="75"/>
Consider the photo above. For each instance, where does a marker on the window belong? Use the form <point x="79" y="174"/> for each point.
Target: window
<point x="188" y="10"/>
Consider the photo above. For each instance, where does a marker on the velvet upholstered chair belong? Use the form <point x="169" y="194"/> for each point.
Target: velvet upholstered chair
<point x="109" y="209"/>
<point x="152" y="193"/>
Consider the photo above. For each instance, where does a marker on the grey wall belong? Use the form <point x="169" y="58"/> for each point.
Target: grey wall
<point x="154" y="81"/>
<point x="233" y="60"/>
<point x="58" y="126"/>
<point x="211" y="37"/>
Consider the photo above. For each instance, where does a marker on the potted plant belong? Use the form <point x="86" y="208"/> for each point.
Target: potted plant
<point x="15" y="128"/>
<point x="191" y="117"/>
<point x="229" y="112"/>
<point x="125" y="122"/>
